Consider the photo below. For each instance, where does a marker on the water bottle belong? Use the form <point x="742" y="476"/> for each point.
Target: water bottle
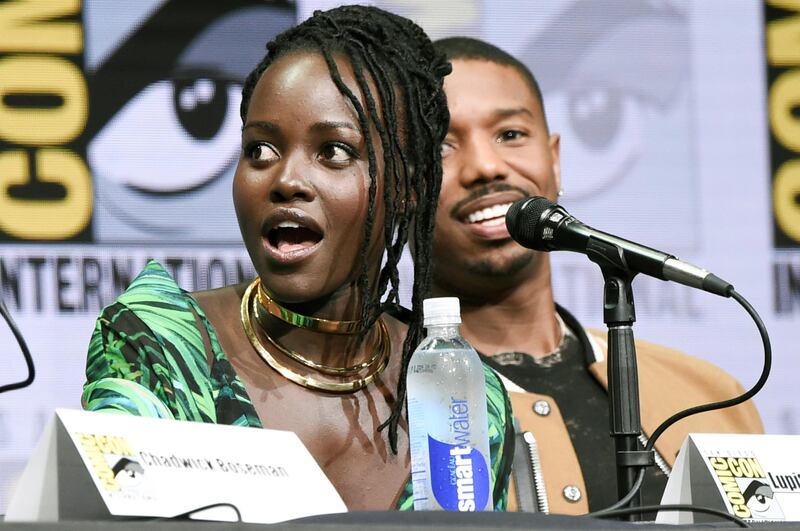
<point x="448" y="424"/>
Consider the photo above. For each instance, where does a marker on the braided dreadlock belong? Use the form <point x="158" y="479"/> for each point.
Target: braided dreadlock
<point x="407" y="72"/>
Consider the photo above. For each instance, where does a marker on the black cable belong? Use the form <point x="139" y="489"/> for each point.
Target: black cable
<point x="747" y="395"/>
<point x="25" y="352"/>
<point x="187" y="515"/>
<point x="625" y="500"/>
<point x="675" y="507"/>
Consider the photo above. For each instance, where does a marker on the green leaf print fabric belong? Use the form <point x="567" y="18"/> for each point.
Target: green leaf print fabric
<point x="147" y="357"/>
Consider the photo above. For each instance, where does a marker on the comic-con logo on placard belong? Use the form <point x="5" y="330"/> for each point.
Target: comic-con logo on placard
<point x="112" y="461"/>
<point x="746" y="488"/>
<point x="120" y="122"/>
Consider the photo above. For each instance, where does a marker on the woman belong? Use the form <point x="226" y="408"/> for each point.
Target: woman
<point x="343" y="123"/>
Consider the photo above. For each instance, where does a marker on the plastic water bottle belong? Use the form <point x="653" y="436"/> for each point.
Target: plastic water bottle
<point x="448" y="424"/>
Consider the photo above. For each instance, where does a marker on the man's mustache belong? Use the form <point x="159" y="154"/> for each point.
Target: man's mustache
<point x="486" y="189"/>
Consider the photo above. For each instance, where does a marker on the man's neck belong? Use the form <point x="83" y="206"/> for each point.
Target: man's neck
<point x="517" y="317"/>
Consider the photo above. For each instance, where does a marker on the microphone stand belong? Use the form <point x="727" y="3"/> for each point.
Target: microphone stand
<point x="623" y="384"/>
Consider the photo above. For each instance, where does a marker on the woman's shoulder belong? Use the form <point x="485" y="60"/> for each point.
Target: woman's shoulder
<point x="219" y="304"/>
<point x="153" y="284"/>
<point x="155" y="289"/>
<point x="154" y="305"/>
<point x="225" y="295"/>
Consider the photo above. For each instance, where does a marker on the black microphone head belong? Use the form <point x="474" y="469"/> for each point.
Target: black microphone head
<point x="523" y="218"/>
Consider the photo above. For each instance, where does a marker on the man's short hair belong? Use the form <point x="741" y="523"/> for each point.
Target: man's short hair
<point x="467" y="48"/>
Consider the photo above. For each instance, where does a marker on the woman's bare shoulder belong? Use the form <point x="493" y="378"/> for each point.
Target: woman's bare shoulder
<point x="220" y="301"/>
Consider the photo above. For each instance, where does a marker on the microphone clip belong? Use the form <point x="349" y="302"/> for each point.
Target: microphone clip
<point x="618" y="305"/>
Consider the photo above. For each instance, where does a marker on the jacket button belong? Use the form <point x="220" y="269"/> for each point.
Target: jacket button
<point x="572" y="493"/>
<point x="541" y="408"/>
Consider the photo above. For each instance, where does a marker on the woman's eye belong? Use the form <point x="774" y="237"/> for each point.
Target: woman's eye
<point x="262" y="152"/>
<point x="337" y="153"/>
<point x="510" y="135"/>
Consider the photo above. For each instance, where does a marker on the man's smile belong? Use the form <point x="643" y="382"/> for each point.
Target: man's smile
<point x="484" y="213"/>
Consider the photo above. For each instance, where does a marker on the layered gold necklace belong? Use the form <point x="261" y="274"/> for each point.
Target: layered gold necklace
<point x="255" y="296"/>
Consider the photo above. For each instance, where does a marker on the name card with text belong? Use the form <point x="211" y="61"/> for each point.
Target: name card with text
<point x="754" y="477"/>
<point x="93" y="465"/>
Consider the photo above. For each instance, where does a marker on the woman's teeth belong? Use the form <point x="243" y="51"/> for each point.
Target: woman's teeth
<point x="288" y="236"/>
<point x="288" y="225"/>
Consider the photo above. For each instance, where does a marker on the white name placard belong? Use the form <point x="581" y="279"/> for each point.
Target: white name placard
<point x="93" y="465"/>
<point x="754" y="477"/>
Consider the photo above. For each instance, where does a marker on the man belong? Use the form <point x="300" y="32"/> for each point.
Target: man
<point x="499" y="150"/>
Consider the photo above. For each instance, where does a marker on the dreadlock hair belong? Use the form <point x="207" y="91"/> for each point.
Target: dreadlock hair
<point x="467" y="48"/>
<point x="407" y="72"/>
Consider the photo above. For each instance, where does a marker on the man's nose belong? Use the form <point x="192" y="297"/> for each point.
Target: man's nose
<point x="483" y="162"/>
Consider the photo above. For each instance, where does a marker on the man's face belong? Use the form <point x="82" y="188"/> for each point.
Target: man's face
<point x="497" y="151"/>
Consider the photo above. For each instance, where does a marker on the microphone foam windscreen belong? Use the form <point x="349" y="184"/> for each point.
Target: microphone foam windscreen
<point x="523" y="217"/>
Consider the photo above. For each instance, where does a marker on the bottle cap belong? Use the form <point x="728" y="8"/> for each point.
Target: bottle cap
<point x="441" y="310"/>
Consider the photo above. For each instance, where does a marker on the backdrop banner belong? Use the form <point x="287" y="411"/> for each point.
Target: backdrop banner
<point x="120" y="132"/>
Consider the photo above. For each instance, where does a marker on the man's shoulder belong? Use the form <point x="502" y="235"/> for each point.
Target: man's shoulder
<point x="663" y="358"/>
<point x="671" y="381"/>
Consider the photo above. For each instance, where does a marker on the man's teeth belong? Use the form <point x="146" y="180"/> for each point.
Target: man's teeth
<point x="491" y="212"/>
<point x="288" y="225"/>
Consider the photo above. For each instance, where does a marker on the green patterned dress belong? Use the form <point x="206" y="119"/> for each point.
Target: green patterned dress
<point x="147" y="357"/>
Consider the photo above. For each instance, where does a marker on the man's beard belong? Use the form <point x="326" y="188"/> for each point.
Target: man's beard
<point x="499" y="267"/>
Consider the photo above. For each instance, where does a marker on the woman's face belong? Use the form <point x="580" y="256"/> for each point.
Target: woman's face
<point x="301" y="188"/>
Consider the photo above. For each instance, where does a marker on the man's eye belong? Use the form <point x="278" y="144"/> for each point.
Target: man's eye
<point x="447" y="148"/>
<point x="262" y="152"/>
<point x="509" y="135"/>
<point x="337" y="153"/>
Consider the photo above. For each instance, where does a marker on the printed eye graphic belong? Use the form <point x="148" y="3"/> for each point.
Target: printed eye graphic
<point x="127" y="472"/>
<point x="201" y="105"/>
<point x="759" y="502"/>
<point x="172" y="137"/>
<point x="596" y="116"/>
<point x="760" y="498"/>
<point x="601" y="132"/>
<point x="614" y="75"/>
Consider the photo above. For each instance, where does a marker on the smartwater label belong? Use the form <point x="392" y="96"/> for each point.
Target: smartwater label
<point x="459" y="476"/>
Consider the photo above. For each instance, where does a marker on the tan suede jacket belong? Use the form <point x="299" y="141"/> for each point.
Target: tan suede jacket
<point x="669" y="382"/>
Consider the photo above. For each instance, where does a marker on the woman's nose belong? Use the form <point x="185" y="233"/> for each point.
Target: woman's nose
<point x="291" y="183"/>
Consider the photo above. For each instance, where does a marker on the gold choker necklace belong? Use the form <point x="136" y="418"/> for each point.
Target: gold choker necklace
<point x="326" y="369"/>
<point x="381" y="357"/>
<point x="303" y="321"/>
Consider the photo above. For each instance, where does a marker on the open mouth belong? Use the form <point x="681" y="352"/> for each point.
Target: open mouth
<point x="489" y="216"/>
<point x="289" y="237"/>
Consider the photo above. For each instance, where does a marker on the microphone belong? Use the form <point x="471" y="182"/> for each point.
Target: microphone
<point x="537" y="223"/>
